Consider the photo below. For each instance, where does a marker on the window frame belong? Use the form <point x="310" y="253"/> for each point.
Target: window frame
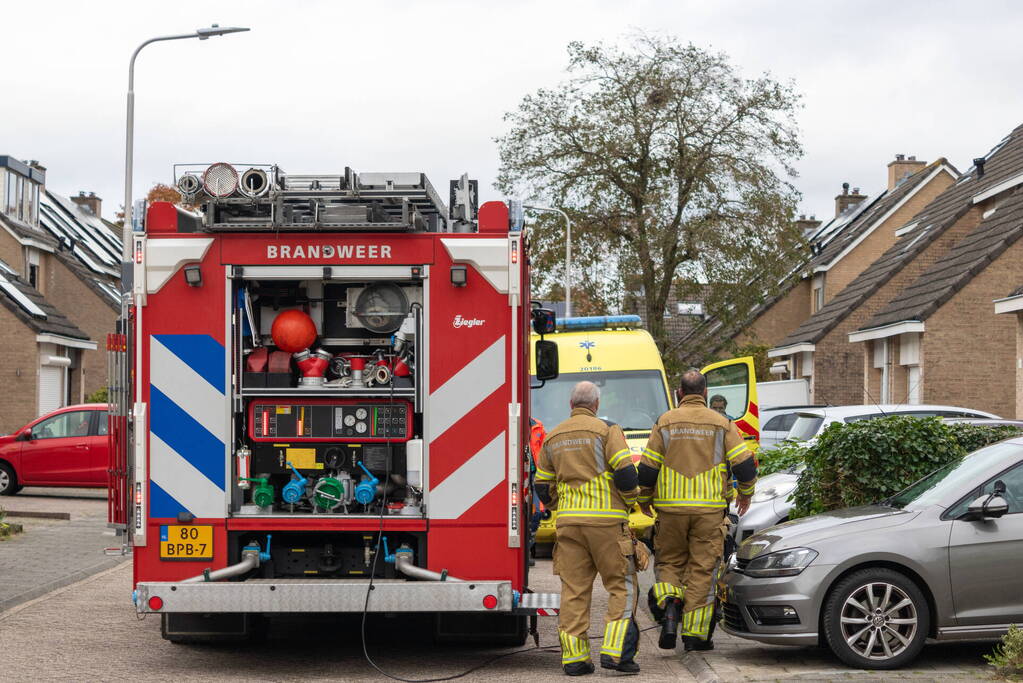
<point x="52" y="418"/>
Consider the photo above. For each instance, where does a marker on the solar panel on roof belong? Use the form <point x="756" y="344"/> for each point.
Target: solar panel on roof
<point x="19" y="298"/>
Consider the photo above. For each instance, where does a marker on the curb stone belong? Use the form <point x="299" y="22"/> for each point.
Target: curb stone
<point x="699" y="668"/>
<point x="66" y="580"/>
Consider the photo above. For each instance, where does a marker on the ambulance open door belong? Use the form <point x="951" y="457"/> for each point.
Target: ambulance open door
<point x="734" y="382"/>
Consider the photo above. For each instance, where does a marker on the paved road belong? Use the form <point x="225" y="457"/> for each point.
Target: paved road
<point x="53" y="553"/>
<point x="89" y="631"/>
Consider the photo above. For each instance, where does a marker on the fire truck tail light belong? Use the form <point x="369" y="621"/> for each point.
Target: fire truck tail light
<point x="156" y="603"/>
<point x="220" y="180"/>
<point x="490" y="601"/>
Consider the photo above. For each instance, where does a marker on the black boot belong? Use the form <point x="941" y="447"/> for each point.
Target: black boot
<point x="694" y="644"/>
<point x="629" y="667"/>
<point x="669" y="627"/>
<point x="579" y="668"/>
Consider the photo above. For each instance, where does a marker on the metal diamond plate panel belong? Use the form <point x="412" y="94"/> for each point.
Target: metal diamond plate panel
<point x="301" y="595"/>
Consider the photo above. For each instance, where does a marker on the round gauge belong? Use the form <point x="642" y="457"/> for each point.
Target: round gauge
<point x="349" y="420"/>
<point x="361" y="413"/>
<point x="360" y="427"/>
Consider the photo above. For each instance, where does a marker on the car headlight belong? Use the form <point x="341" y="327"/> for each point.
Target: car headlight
<point x="783" y="488"/>
<point x="782" y="563"/>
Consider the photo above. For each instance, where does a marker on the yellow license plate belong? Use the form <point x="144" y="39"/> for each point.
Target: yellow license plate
<point x="186" y="542"/>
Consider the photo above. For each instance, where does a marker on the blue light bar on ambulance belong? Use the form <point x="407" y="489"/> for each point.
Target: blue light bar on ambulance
<point x="598" y="322"/>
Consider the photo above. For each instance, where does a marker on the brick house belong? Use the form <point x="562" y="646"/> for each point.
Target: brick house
<point x="938" y="341"/>
<point x="923" y="239"/>
<point x="59" y="294"/>
<point x="862" y="229"/>
<point x="1012" y="307"/>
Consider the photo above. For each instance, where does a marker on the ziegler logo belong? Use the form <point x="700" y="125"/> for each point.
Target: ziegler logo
<point x="342" y="251"/>
<point x="459" y="321"/>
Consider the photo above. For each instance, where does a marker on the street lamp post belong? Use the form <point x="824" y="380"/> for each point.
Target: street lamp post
<point x="201" y="34"/>
<point x="568" y="252"/>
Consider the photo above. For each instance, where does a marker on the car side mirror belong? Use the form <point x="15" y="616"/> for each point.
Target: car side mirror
<point x="24" y="435"/>
<point x="991" y="506"/>
<point x="546" y="355"/>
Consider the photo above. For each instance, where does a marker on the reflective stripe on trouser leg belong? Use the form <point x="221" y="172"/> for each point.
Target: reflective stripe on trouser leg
<point x="697" y="622"/>
<point x="664" y="590"/>
<point x="573" y="649"/>
<point x="614" y="637"/>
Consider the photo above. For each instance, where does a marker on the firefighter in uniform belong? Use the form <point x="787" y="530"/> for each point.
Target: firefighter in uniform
<point x="586" y="473"/>
<point x="686" y="471"/>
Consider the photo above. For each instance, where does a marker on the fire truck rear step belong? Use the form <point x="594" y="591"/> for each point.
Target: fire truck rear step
<point x="327" y="595"/>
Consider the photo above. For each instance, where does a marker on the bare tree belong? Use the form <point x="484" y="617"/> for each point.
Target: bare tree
<point x="675" y="169"/>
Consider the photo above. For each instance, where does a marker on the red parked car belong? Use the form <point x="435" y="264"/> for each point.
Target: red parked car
<point x="67" y="447"/>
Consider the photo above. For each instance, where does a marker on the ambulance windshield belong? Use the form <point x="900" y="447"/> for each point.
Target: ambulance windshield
<point x="633" y="399"/>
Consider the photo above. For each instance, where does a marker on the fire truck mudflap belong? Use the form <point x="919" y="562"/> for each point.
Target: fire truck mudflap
<point x="326" y="400"/>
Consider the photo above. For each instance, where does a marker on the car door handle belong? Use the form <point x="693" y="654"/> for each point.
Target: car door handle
<point x="82" y="445"/>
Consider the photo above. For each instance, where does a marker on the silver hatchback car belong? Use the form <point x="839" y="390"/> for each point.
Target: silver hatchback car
<point x="939" y="560"/>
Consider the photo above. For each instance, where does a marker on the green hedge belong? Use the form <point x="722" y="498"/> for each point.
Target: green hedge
<point x="869" y="460"/>
<point x="780" y="457"/>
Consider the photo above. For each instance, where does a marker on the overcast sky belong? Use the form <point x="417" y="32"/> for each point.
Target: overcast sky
<point x="422" y="86"/>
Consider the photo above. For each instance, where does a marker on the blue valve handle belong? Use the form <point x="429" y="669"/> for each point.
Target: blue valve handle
<point x="264" y="555"/>
<point x="294" y="489"/>
<point x="366" y="490"/>
<point x="388" y="557"/>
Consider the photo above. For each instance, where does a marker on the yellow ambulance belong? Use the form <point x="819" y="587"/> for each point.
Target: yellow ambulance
<point x="621" y="358"/>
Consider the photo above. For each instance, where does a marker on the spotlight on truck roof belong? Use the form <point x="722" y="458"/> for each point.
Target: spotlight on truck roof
<point x="254" y="183"/>
<point x="220" y="180"/>
<point x="189" y="185"/>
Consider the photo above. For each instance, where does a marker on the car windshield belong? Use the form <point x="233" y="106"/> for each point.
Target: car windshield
<point x="805" y="427"/>
<point x="944" y="486"/>
<point x="632" y="398"/>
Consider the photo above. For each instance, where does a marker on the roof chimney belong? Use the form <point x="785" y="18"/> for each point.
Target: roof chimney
<point x="845" y="200"/>
<point x="807" y="226"/>
<point x="90" y="202"/>
<point x="902" y="168"/>
<point x="979" y="164"/>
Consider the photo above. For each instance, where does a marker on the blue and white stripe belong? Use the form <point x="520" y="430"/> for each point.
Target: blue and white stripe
<point x="188" y="426"/>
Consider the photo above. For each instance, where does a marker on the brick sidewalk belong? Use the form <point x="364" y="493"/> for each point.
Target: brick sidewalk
<point x="736" y="659"/>
<point x="53" y="553"/>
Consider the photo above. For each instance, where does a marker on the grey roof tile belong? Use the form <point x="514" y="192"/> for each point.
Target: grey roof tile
<point x="1003" y="162"/>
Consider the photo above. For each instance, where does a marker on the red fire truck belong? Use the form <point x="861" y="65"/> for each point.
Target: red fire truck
<point x="320" y="403"/>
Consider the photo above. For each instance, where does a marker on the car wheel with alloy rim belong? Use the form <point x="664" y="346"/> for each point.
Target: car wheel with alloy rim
<point x="8" y="480"/>
<point x="876" y="618"/>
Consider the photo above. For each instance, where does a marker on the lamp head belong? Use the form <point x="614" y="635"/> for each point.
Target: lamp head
<point x="216" y="30"/>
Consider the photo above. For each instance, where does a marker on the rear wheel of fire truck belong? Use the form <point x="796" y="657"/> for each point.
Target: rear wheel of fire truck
<point x="8" y="480"/>
<point x="483" y="629"/>
<point x="211" y="628"/>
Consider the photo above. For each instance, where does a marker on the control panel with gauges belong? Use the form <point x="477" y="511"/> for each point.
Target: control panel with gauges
<point x="339" y="420"/>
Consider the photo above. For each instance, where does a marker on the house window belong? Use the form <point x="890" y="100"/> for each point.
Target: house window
<point x="32" y="267"/>
<point x="690" y="308"/>
<point x="818" y="299"/>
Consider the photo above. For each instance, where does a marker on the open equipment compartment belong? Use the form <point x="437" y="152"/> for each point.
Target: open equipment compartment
<point x="327" y="417"/>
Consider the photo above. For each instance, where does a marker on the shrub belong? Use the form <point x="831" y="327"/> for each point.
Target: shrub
<point x="1007" y="659"/>
<point x="780" y="457"/>
<point x="869" y="460"/>
<point x="98" y="396"/>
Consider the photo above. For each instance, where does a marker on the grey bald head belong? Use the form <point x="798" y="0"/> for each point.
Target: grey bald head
<point x="693" y="382"/>
<point x="585" y="395"/>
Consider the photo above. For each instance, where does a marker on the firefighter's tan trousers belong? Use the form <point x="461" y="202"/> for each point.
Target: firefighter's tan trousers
<point x="687" y="551"/>
<point x="580" y="554"/>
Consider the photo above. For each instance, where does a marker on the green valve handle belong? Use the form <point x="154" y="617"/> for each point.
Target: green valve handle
<point x="262" y="495"/>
